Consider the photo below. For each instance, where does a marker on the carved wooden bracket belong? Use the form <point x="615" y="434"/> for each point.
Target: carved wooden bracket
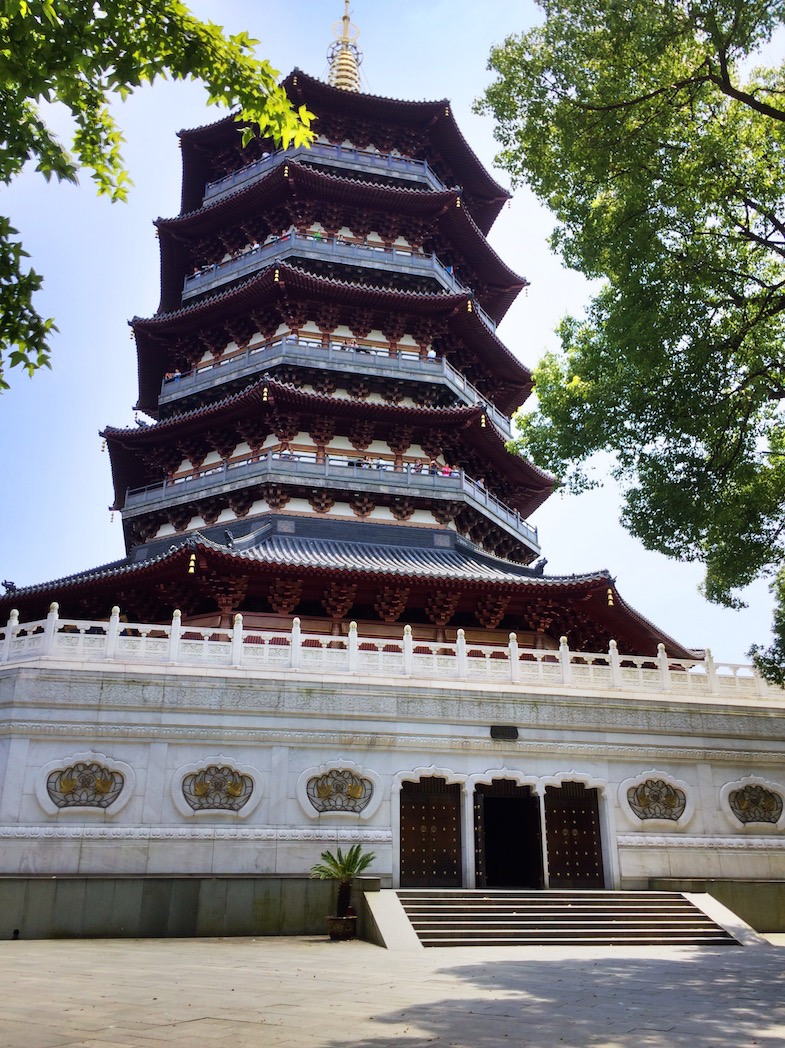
<point x="491" y="609"/>
<point x="440" y="606"/>
<point x="275" y="495"/>
<point x="391" y="602"/>
<point x="284" y="595"/>
<point x="321" y="501"/>
<point x="241" y="501"/>
<point x="338" y="599"/>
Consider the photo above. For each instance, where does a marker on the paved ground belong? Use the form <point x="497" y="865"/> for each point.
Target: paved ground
<point x="246" y="993"/>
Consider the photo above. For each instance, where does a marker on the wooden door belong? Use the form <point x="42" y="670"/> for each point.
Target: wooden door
<point x="572" y="824"/>
<point x="431" y="834"/>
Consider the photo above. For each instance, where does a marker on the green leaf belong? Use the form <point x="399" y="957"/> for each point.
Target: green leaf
<point x="662" y="158"/>
<point x="80" y="55"/>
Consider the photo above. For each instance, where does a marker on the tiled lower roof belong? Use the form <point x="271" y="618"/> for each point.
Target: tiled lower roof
<point x="459" y="561"/>
<point x="455" y="563"/>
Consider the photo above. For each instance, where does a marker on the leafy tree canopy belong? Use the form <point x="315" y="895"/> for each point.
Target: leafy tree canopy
<point x="81" y="53"/>
<point x="660" y="148"/>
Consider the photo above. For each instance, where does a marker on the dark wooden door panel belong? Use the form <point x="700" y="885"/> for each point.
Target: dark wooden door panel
<point x="573" y="837"/>
<point x="431" y="835"/>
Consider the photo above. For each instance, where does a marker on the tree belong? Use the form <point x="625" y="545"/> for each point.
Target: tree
<point x="343" y="868"/>
<point x="661" y="152"/>
<point x="80" y="54"/>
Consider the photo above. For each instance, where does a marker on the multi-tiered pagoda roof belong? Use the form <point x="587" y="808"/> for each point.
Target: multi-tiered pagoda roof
<point x="330" y="398"/>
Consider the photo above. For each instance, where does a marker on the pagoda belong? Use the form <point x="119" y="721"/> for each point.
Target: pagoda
<point x="332" y="625"/>
<point x="331" y="400"/>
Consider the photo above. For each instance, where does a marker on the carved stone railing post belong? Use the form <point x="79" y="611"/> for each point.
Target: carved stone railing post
<point x="762" y="685"/>
<point x="462" y="659"/>
<point x="613" y="656"/>
<point x="711" y="673"/>
<point x="112" y="633"/>
<point x="564" y="660"/>
<point x="665" y="672"/>
<point x="10" y="632"/>
<point x="175" y="632"/>
<point x="515" y="666"/>
<point x="297" y="645"/>
<point x="50" y="629"/>
<point x="237" y="640"/>
<point x="408" y="652"/>
<point x="353" y="648"/>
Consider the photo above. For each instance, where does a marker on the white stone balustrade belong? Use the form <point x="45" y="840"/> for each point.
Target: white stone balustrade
<point x="257" y="652"/>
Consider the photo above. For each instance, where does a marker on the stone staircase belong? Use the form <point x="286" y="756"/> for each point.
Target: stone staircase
<point x="498" y="917"/>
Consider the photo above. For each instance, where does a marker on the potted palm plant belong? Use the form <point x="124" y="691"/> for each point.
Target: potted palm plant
<point x="342" y="868"/>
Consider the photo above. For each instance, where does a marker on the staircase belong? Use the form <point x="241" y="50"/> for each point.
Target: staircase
<point x="498" y="917"/>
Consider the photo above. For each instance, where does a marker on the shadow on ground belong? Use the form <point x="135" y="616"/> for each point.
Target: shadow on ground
<point x="704" y="999"/>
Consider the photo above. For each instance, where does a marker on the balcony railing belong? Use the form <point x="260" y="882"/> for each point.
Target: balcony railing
<point x="327" y="249"/>
<point x="324" y="155"/>
<point x="337" y="356"/>
<point x="337" y="472"/>
<point x="403" y="659"/>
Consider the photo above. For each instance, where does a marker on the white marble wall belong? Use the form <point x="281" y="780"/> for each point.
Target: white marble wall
<point x="156" y="726"/>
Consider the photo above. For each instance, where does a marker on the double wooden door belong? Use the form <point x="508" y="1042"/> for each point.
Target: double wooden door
<point x="508" y="840"/>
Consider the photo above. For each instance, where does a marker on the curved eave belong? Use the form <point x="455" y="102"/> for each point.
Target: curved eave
<point x="126" y="446"/>
<point x="280" y="395"/>
<point x="434" y="117"/>
<point x="649" y="630"/>
<point x="431" y="119"/>
<point x="98" y="577"/>
<point x="295" y="180"/>
<point x="153" y="333"/>
<point x="198" y="146"/>
<point x="587" y="593"/>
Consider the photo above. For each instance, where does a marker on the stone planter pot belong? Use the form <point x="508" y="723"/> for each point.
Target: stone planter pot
<point x="341" y="927"/>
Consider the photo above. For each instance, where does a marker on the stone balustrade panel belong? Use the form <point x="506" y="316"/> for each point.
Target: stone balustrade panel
<point x="259" y="651"/>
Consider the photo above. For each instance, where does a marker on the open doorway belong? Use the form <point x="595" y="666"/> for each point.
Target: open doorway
<point x="507" y="836"/>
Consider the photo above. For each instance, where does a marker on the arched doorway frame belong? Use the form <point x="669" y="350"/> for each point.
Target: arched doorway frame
<point x="415" y="775"/>
<point x="485" y="778"/>
<point x="610" y="853"/>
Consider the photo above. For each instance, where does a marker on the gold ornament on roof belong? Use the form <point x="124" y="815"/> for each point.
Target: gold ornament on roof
<point x="344" y="55"/>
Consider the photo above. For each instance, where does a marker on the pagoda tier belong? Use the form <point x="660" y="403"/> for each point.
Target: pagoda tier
<point x="424" y="131"/>
<point x="271" y="443"/>
<point x="283" y="299"/>
<point x="210" y="247"/>
<point x="332" y="402"/>
<point x="329" y="573"/>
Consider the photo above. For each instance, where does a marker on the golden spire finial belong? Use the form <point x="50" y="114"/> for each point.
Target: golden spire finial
<point x="344" y="55"/>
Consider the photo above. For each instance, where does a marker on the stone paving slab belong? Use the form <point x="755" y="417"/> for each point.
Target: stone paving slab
<point x="311" y="993"/>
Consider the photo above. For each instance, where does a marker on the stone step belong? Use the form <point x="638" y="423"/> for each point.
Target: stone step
<point x="452" y="918"/>
<point x="598" y="907"/>
<point x="602" y="928"/>
<point x="554" y="898"/>
<point x="472" y="920"/>
<point x="576" y="940"/>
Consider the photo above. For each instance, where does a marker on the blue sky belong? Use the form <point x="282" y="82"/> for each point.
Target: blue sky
<point x="100" y="263"/>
